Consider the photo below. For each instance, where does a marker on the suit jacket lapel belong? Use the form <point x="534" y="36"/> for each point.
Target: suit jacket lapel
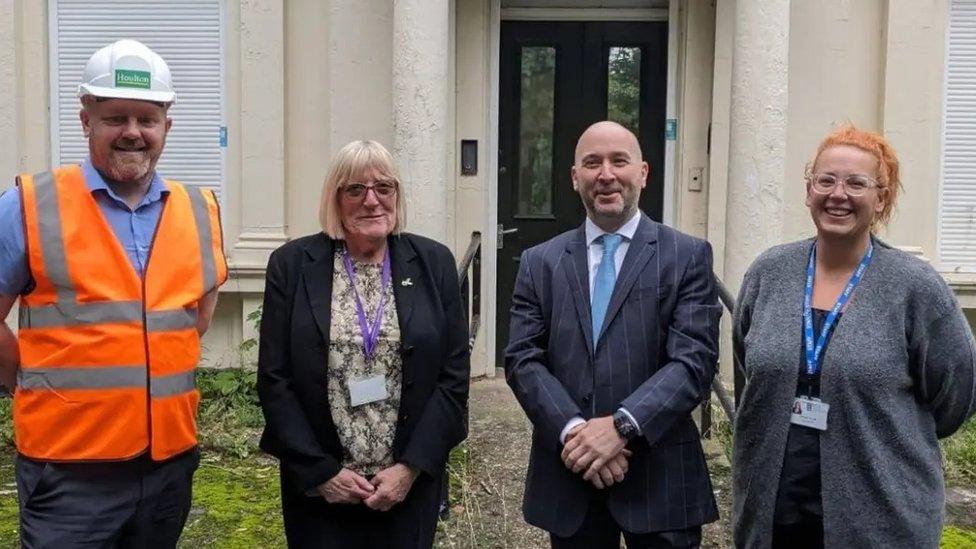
<point x="317" y="274"/>
<point x="577" y="271"/>
<point x="407" y="280"/>
<point x="642" y="249"/>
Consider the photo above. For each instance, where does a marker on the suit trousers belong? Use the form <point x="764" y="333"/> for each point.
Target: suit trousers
<point x="600" y="531"/>
<point x="806" y="534"/>
<point x="137" y="503"/>
<point x="310" y="521"/>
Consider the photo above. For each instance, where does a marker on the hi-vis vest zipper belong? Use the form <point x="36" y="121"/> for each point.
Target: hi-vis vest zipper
<point x="107" y="358"/>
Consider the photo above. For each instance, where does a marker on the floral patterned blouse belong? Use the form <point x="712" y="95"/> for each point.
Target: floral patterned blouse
<point x="366" y="431"/>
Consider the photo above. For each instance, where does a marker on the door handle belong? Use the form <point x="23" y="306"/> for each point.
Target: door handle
<point x="502" y="231"/>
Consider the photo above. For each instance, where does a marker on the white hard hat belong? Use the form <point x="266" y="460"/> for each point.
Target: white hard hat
<point x="127" y="69"/>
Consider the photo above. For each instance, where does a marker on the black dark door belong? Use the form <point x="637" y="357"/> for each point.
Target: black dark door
<point x="555" y="80"/>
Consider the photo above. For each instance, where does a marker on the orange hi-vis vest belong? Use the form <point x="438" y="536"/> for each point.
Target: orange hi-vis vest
<point x="107" y="357"/>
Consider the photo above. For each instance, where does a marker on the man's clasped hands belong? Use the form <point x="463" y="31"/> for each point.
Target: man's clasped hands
<point x="597" y="450"/>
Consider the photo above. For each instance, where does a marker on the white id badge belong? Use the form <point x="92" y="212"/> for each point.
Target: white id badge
<point x="367" y="389"/>
<point x="809" y="412"/>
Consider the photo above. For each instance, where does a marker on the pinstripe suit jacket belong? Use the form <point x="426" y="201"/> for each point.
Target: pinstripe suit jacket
<point x="656" y="356"/>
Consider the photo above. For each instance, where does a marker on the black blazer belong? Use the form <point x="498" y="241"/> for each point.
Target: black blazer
<point x="656" y="356"/>
<point x="293" y="356"/>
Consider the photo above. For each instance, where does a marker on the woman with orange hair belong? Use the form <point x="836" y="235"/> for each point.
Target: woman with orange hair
<point x="857" y="360"/>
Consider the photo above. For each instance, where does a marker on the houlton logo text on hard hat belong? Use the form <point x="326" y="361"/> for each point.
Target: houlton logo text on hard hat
<point x="132" y="79"/>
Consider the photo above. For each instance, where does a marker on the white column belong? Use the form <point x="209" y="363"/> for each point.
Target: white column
<point x="9" y="164"/>
<point x="262" y="122"/>
<point x="912" y="118"/>
<point x="718" y="163"/>
<point x="421" y="30"/>
<point x="757" y="138"/>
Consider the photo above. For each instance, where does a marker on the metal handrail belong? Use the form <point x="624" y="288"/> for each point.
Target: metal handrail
<point x="725" y="296"/>
<point x="472" y="260"/>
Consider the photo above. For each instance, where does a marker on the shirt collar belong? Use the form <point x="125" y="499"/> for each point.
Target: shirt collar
<point x="95" y="182"/>
<point x="627" y="230"/>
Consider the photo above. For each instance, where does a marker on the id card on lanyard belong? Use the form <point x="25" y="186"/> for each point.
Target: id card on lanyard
<point x="807" y="410"/>
<point x="373" y="388"/>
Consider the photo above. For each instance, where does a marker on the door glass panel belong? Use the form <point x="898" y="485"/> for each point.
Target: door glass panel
<point x="537" y="113"/>
<point x="623" y="87"/>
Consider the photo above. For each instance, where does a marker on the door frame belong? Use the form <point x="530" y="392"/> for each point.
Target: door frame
<point x="496" y="15"/>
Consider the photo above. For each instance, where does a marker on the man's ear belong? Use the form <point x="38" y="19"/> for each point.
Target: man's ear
<point x="85" y="121"/>
<point x="572" y="175"/>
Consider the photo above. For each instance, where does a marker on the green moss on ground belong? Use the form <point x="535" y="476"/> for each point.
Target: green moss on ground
<point x="235" y="504"/>
<point x="9" y="512"/>
<point x="955" y="538"/>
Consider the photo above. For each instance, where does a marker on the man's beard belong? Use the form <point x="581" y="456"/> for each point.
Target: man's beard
<point x="126" y="168"/>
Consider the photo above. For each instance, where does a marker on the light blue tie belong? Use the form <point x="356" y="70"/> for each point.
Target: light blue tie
<point x="606" y="276"/>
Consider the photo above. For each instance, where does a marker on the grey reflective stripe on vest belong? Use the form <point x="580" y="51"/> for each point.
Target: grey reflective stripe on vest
<point x="95" y="377"/>
<point x="171" y="320"/>
<point x="70" y="313"/>
<point x="175" y="384"/>
<point x="58" y="315"/>
<point x="52" y="242"/>
<point x="201" y="214"/>
<point x="105" y="377"/>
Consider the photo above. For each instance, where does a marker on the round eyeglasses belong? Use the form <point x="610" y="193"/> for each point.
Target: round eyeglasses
<point x="854" y="184"/>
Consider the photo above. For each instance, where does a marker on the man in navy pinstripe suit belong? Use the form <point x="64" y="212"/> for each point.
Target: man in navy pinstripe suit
<point x="614" y="447"/>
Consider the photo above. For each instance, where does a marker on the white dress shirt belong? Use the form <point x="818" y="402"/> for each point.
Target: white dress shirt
<point x="594" y="255"/>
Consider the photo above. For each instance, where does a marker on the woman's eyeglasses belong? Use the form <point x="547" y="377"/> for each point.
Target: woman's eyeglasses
<point x="854" y="184"/>
<point x="382" y="189"/>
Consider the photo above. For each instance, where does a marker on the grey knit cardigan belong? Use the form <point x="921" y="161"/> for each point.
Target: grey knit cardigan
<point x="898" y="375"/>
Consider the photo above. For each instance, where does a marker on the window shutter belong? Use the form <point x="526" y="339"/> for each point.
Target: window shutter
<point x="187" y="34"/>
<point x="957" y="230"/>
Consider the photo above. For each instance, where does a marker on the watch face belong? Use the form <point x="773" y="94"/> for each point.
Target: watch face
<point x="624" y="426"/>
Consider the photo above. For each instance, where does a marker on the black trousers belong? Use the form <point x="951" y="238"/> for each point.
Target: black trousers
<point x="311" y="522"/>
<point x="135" y="503"/>
<point x="600" y="531"/>
<point x="807" y="534"/>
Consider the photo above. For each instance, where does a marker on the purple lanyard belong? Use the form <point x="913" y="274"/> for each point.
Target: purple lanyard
<point x="371" y="333"/>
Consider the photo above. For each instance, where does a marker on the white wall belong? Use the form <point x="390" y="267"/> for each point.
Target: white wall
<point x="836" y="68"/>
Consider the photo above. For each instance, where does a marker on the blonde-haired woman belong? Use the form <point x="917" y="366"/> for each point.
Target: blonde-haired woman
<point x="363" y="365"/>
<point x="857" y="359"/>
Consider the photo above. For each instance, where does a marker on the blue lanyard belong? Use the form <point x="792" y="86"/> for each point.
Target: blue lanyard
<point x="814" y="352"/>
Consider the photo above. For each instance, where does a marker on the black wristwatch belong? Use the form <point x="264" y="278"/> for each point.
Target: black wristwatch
<point x="624" y="426"/>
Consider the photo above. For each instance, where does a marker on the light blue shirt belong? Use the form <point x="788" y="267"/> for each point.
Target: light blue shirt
<point x="134" y="229"/>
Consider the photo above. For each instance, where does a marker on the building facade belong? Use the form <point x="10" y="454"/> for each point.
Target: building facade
<point x="481" y="102"/>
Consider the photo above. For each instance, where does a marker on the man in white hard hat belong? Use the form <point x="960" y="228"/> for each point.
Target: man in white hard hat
<point x="116" y="271"/>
